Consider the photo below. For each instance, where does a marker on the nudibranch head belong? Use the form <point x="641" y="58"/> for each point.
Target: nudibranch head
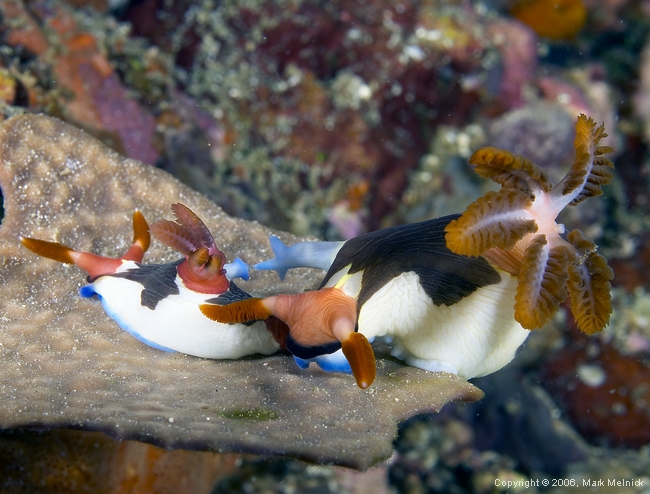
<point x="203" y="268"/>
<point x="516" y="229"/>
<point x="93" y="264"/>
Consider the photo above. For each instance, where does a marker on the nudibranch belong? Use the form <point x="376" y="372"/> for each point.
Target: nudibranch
<point x="457" y="293"/>
<point x="159" y="303"/>
<point x="441" y="311"/>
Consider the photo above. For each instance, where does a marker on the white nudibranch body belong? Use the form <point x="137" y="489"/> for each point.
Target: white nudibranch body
<point x="176" y="323"/>
<point x="457" y="293"/>
<point x="473" y="337"/>
<point x="439" y="311"/>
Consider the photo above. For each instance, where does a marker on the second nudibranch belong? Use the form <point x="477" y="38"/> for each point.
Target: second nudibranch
<point x="159" y="303"/>
<point x="455" y="294"/>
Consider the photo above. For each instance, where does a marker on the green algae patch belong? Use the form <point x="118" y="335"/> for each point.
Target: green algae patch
<point x="251" y="414"/>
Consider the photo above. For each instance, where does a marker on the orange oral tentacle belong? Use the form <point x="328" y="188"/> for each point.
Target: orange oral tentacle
<point x="252" y="309"/>
<point x="324" y="316"/>
<point x="51" y="250"/>
<point x="93" y="264"/>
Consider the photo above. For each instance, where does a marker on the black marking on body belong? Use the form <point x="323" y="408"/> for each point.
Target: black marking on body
<point x="234" y="294"/>
<point x="419" y="247"/>
<point x="308" y="352"/>
<point x="158" y="280"/>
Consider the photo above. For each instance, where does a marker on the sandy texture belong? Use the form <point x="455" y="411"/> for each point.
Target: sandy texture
<point x="64" y="363"/>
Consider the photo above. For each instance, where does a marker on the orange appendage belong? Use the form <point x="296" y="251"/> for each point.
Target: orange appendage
<point x="589" y="286"/>
<point x="141" y="234"/>
<point x="93" y="264"/>
<point x="555" y="19"/>
<point x="51" y="250"/>
<point x="252" y="309"/>
<point x="516" y="230"/>
<point x="542" y="281"/>
<point x="317" y="317"/>
<point x="590" y="170"/>
<point x="509" y="170"/>
<point x="361" y="358"/>
<point x="141" y="238"/>
<point x="494" y="220"/>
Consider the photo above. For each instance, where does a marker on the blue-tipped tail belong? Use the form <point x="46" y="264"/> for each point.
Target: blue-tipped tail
<point x="236" y="269"/>
<point x="281" y="263"/>
<point x="319" y="255"/>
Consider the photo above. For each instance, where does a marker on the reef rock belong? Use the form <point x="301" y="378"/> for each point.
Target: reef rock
<point x="65" y="364"/>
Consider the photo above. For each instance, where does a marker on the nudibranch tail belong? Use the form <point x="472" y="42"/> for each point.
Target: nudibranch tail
<point x="515" y="229"/>
<point x="93" y="264"/>
<point x="319" y="255"/>
<point x="237" y="269"/>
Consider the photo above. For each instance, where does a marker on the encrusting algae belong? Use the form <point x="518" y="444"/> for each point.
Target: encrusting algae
<point x="515" y="229"/>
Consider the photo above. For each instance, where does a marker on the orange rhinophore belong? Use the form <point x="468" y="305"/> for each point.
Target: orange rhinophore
<point x="516" y="230"/>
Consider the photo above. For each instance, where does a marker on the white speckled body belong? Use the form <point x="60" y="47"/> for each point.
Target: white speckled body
<point x="177" y="324"/>
<point x="472" y="338"/>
